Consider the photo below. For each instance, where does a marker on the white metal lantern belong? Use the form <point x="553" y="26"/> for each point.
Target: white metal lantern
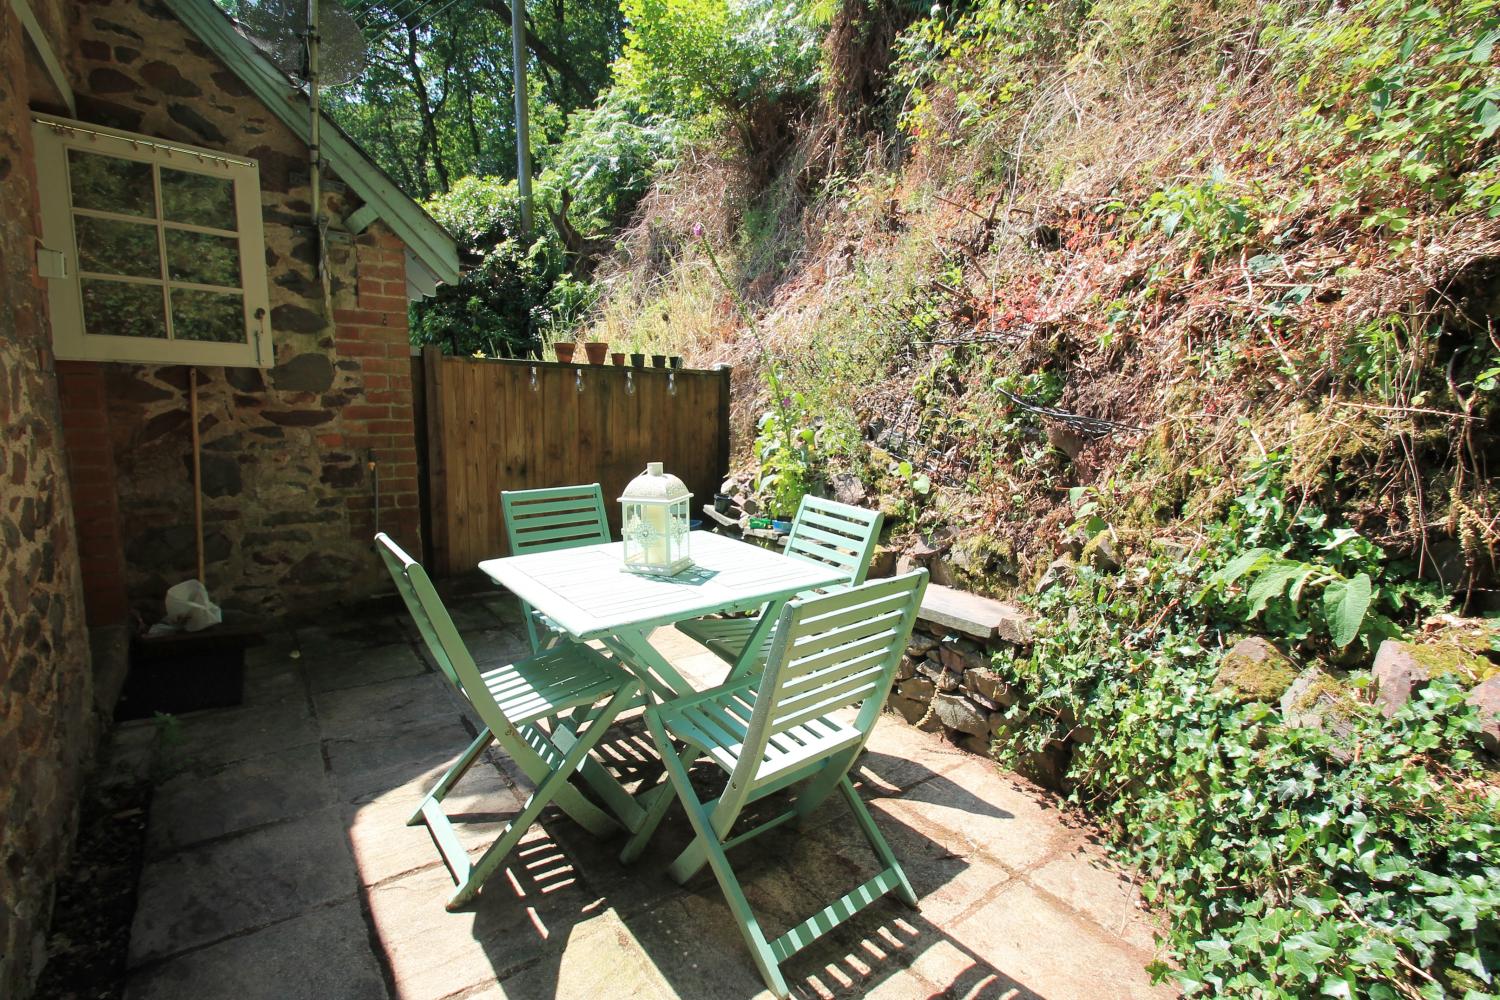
<point x="654" y="523"/>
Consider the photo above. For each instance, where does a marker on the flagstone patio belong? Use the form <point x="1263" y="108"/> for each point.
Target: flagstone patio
<point x="279" y="864"/>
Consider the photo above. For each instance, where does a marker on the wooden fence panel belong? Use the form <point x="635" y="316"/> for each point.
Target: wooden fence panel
<point x="515" y="425"/>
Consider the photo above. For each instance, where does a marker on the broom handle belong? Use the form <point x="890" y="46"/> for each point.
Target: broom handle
<point x="197" y="472"/>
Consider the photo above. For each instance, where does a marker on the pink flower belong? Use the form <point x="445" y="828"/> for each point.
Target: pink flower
<point x="697" y="230"/>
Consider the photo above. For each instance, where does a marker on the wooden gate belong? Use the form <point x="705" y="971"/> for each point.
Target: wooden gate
<point x="515" y="425"/>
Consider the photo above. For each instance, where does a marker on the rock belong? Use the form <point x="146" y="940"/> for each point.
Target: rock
<point x="986" y="683"/>
<point x="920" y="643"/>
<point x="907" y="668"/>
<point x="922" y="550"/>
<point x="847" y="488"/>
<point x="295" y="319"/>
<point x="310" y="372"/>
<point x="1065" y="438"/>
<point x="882" y="563"/>
<point x="1171" y="547"/>
<point x="1059" y="571"/>
<point x="914" y="699"/>
<point x="201" y="127"/>
<point x="1317" y="700"/>
<point x="1047" y="767"/>
<point x="1255" y="670"/>
<point x="905" y="564"/>
<point x="1100" y="552"/>
<point x="1402" y="669"/>
<point x="958" y="655"/>
<point x="979" y="745"/>
<point x="960" y="714"/>
<point x="1486" y="698"/>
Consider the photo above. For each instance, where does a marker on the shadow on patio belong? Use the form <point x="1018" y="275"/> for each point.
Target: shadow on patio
<point x="279" y="862"/>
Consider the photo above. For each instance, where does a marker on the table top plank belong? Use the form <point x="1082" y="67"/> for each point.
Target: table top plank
<point x="587" y="591"/>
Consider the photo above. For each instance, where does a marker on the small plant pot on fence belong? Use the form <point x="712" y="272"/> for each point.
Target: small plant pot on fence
<point x="564" y="352"/>
<point x="658" y="361"/>
<point x="675" y="361"/>
<point x="597" y="351"/>
<point x="638" y="361"/>
<point x="722" y="502"/>
<point x="617" y="359"/>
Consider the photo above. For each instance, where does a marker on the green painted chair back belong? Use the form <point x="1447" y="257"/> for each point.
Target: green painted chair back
<point x="399" y="564"/>
<point x="561" y="517"/>
<point x="830" y="652"/>
<point x="838" y="534"/>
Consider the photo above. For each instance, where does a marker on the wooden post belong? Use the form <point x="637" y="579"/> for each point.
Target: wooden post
<point x="725" y="372"/>
<point x="197" y="474"/>
<point x="437" y="462"/>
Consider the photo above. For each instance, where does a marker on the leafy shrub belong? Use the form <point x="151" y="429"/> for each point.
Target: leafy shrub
<point x="742" y="59"/>
<point x="1411" y="89"/>
<point x="1291" y="862"/>
<point x="608" y="157"/>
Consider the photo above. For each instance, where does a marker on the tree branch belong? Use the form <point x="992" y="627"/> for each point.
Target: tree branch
<point x="543" y="52"/>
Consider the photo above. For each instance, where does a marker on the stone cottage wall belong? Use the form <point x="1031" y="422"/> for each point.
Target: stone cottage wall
<point x="46" y="724"/>
<point x="289" y="492"/>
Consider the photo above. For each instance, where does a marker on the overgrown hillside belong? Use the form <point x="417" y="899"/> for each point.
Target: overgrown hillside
<point x="1177" y="321"/>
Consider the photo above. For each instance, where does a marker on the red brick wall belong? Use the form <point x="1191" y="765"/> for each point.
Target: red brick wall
<point x="375" y="334"/>
<point x="91" y="469"/>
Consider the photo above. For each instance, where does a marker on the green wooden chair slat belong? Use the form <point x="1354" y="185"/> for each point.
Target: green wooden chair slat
<point x="789" y="727"/>
<point x="545" y="520"/>
<point x="826" y="531"/>
<point x="509" y="700"/>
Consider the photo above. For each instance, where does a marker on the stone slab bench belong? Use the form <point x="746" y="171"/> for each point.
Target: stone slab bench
<point x="981" y="618"/>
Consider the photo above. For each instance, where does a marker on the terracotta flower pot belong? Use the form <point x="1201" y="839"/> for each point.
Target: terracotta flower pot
<point x="617" y="359"/>
<point x="564" y="352"/>
<point x="597" y="351"/>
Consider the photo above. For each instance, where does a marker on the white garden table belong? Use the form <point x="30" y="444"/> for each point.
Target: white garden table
<point x="587" y="593"/>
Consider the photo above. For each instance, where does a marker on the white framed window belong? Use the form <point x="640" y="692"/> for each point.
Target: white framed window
<point x="157" y="249"/>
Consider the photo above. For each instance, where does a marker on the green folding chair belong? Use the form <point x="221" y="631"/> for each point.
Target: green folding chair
<point x="511" y="701"/>
<point x="824" y="531"/>
<point x="561" y="517"/>
<point x="785" y="727"/>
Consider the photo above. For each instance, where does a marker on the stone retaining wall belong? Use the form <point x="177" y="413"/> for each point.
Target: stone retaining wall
<point x="945" y="685"/>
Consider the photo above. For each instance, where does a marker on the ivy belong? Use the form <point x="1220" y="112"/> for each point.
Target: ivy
<point x="1291" y="862"/>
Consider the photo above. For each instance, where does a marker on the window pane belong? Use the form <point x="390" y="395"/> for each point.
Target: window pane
<point x="215" y="316"/>
<point x="203" y="259"/>
<point x="113" y="247"/>
<point x="115" y="309"/>
<point x="197" y="199"/>
<point x="110" y="184"/>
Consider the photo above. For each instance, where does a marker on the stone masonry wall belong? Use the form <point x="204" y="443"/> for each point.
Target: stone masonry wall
<point x="46" y="725"/>
<point x="286" y="453"/>
<point x="945" y="684"/>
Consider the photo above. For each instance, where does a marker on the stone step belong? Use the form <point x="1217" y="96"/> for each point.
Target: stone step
<point x="983" y="618"/>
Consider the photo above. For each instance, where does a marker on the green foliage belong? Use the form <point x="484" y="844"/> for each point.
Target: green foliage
<point x="608" y="157"/>
<point x="736" y="58"/>
<point x="790" y="462"/>
<point x="1292" y="862"/>
<point x="1402" y="98"/>
<point x="505" y="297"/>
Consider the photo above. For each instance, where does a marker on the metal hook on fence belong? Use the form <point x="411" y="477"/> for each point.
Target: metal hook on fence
<point x="630" y="383"/>
<point x="671" y="383"/>
<point x="578" y="378"/>
<point x="533" y="378"/>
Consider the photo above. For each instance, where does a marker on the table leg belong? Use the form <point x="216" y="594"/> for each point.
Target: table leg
<point x="659" y="677"/>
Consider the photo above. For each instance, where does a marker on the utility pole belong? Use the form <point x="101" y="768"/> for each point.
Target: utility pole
<point x="523" y="111"/>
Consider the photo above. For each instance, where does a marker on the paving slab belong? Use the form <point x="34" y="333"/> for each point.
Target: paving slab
<point x="223" y="736"/>
<point x="599" y="958"/>
<point x="322" y="954"/>
<point x="1042" y="945"/>
<point x="384" y="847"/>
<point x="210" y="801"/>
<point x="375" y="710"/>
<point x="364" y="666"/>
<point x="1102" y="891"/>
<point x="349" y="635"/>
<point x="531" y="905"/>
<point x="380" y="762"/>
<point x="225" y="887"/>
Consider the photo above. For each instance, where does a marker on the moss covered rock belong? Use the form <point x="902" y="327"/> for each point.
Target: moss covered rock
<point x="1318" y="699"/>
<point x="1402" y="669"/>
<point x="1255" y="670"/>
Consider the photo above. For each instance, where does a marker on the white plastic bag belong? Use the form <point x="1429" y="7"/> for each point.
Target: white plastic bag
<point x="189" y="609"/>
